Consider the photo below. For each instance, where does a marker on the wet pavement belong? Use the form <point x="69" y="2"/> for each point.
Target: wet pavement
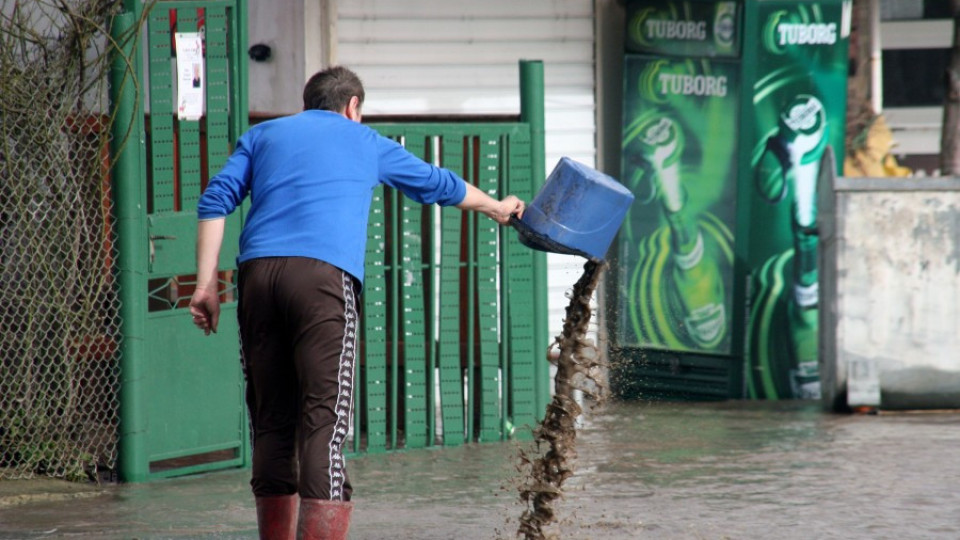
<point x="646" y="470"/>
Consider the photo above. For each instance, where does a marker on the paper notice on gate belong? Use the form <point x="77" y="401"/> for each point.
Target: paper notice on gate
<point x="190" y="75"/>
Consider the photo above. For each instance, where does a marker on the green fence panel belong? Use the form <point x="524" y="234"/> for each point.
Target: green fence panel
<point x="218" y="94"/>
<point x="488" y="380"/>
<point x="519" y="280"/>
<point x="468" y="294"/>
<point x="414" y="311"/>
<point x="375" y="352"/>
<point x="162" y="157"/>
<point x="449" y="350"/>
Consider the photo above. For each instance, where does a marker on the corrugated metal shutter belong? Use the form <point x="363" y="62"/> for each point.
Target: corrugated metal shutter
<point x="460" y="57"/>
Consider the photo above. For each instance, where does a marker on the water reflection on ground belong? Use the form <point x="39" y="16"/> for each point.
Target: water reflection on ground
<point x="737" y="470"/>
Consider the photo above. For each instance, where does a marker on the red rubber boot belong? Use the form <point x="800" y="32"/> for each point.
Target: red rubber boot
<point x="324" y="520"/>
<point x="277" y="517"/>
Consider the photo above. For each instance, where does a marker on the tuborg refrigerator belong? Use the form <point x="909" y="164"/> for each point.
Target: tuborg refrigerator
<point x="732" y="113"/>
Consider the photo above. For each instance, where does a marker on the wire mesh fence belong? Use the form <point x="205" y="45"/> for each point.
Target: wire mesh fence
<point x="59" y="325"/>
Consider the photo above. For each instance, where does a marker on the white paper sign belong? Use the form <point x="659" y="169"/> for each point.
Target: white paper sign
<point x="190" y="75"/>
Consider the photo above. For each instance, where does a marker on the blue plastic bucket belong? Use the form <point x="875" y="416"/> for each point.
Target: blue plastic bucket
<point x="577" y="211"/>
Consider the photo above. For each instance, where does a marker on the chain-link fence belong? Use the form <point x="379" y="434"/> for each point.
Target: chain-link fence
<point x="59" y="325"/>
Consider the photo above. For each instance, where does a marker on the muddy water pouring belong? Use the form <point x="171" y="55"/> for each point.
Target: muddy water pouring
<point x="577" y="211"/>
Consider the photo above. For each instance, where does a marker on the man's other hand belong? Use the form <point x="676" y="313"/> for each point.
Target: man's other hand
<point x="205" y="309"/>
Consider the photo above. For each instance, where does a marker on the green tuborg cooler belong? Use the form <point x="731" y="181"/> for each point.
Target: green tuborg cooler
<point x="732" y="113"/>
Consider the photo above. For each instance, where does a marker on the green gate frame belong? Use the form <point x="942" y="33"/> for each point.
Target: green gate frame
<point x="450" y="301"/>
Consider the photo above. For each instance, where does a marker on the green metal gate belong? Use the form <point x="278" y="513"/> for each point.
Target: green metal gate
<point x="181" y="392"/>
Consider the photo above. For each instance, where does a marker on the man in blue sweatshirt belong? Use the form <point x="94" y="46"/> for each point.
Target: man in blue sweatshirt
<point x="310" y="178"/>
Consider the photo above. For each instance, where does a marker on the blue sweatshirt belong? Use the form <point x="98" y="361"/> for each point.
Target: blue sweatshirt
<point x="310" y="178"/>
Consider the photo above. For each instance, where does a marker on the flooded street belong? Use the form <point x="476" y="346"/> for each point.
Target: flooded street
<point x="765" y="470"/>
<point x="645" y="470"/>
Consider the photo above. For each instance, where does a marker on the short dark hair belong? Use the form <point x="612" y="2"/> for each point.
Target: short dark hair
<point x="331" y="89"/>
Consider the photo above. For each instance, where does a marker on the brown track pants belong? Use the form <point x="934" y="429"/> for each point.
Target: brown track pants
<point x="298" y="330"/>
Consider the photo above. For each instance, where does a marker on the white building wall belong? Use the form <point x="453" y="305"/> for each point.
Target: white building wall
<point x="461" y="57"/>
<point x="276" y="85"/>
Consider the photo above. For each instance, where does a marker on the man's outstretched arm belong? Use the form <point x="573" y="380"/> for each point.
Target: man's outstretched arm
<point x="499" y="211"/>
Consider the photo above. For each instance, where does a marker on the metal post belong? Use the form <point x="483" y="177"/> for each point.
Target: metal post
<point x="472" y="337"/>
<point x="432" y="289"/>
<point x="129" y="212"/>
<point x="506" y="367"/>
<point x="531" y="112"/>
<point x="876" y="58"/>
<point x="240" y="117"/>
<point x="395" y="313"/>
<point x="239" y="63"/>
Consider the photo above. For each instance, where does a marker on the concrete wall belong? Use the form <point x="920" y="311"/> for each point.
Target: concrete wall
<point x="890" y="315"/>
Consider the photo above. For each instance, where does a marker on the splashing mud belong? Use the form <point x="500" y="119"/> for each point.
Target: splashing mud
<point x="578" y="369"/>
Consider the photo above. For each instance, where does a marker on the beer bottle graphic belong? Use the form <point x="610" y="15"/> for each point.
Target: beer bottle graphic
<point x="791" y="162"/>
<point x="697" y="285"/>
